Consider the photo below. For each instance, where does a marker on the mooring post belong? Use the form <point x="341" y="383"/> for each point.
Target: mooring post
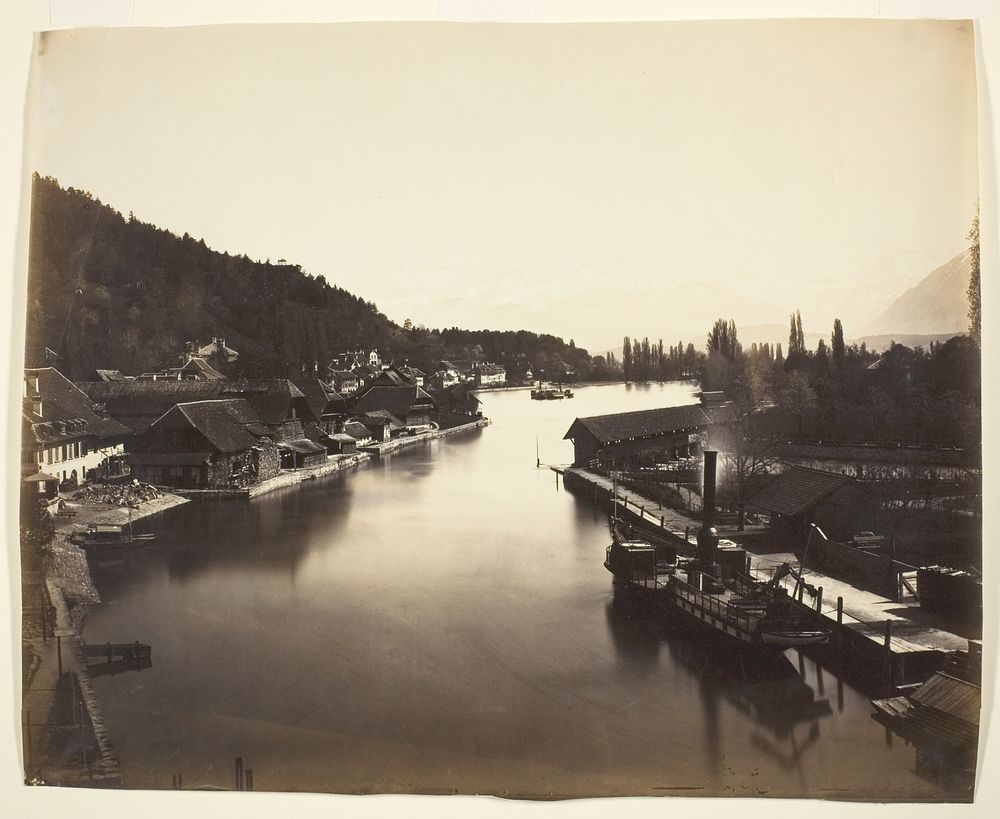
<point x="249" y="779"/>
<point x="663" y="523"/>
<point x="888" y="656"/>
<point x="27" y="737"/>
<point x="840" y="611"/>
<point x="819" y="600"/>
<point x="59" y="654"/>
<point x="239" y="773"/>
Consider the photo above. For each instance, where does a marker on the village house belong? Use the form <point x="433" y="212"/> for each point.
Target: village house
<point x="391" y="376"/>
<point x="413" y="374"/>
<point x="489" y="375"/>
<point x="213" y="444"/>
<point x="344" y="382"/>
<point x="63" y="435"/>
<point x="443" y="379"/>
<point x="278" y="403"/>
<point x="218" y="349"/>
<point x="458" y="401"/>
<point x="639" y="438"/>
<point x="353" y="359"/>
<point x="410" y="404"/>
<point x="359" y="433"/>
<point x="326" y="404"/>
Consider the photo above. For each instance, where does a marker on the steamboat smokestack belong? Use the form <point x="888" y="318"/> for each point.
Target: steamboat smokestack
<point x="708" y="494"/>
<point x="704" y="571"/>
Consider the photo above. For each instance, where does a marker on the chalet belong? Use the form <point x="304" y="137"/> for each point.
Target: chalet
<point x="382" y="423"/>
<point x="458" y="400"/>
<point x="411" y="404"/>
<point x="489" y="375"/>
<point x="639" y="438"/>
<point x="344" y="382"/>
<point x="799" y="496"/>
<point x="213" y="444"/>
<point x="366" y="375"/>
<point x="63" y="434"/>
<point x="326" y="404"/>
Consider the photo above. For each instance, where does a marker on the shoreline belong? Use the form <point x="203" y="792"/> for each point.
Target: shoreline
<point x="58" y="667"/>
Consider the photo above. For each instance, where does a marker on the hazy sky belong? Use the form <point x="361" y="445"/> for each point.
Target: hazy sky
<point x="586" y="180"/>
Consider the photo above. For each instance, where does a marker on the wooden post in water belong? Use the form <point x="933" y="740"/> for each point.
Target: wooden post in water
<point x="249" y="779"/>
<point x="27" y="738"/>
<point x="239" y="773"/>
<point x="840" y="611"/>
<point x="59" y="654"/>
<point x="819" y="600"/>
<point x="887" y="657"/>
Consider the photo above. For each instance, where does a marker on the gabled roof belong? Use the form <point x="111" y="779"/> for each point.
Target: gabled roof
<point x="139" y="403"/>
<point x="321" y="399"/>
<point x="628" y="426"/>
<point x="797" y="490"/>
<point x="221" y="423"/>
<point x="201" y="369"/>
<point x="392" y="377"/>
<point x="400" y="401"/>
<point x="356" y="430"/>
<point x="384" y="415"/>
<point x="63" y="401"/>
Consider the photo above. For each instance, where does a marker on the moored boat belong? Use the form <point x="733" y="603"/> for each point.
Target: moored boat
<point x="107" y="536"/>
<point x="741" y="608"/>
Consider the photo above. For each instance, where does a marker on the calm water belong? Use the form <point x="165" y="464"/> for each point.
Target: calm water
<point x="440" y="621"/>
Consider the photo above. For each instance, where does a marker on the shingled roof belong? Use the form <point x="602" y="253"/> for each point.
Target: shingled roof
<point x="139" y="403"/>
<point x="400" y="401"/>
<point x="63" y="401"/>
<point x="222" y="423"/>
<point x="629" y="426"/>
<point x="797" y="490"/>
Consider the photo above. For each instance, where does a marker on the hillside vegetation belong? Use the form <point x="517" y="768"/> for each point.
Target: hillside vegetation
<point x="110" y="291"/>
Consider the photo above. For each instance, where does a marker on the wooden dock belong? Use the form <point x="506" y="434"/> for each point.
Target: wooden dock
<point x="881" y="641"/>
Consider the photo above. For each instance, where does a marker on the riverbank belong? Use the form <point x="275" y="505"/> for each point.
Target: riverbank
<point x="65" y="740"/>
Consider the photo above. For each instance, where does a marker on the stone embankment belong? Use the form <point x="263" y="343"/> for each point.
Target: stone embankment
<point x="411" y="440"/>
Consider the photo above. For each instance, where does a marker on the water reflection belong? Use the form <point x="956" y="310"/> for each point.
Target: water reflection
<point x="441" y="618"/>
<point x="766" y="687"/>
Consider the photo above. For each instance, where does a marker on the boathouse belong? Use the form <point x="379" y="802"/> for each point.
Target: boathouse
<point x="639" y="438"/>
<point x="214" y="444"/>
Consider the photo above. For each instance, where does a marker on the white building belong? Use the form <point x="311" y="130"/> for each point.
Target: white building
<point x="63" y="435"/>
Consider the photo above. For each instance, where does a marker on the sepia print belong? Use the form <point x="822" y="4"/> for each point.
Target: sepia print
<point x="538" y="411"/>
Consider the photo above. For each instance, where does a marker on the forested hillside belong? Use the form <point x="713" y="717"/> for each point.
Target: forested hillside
<point x="109" y="291"/>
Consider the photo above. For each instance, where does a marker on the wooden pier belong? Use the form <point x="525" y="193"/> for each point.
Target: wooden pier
<point x="881" y="642"/>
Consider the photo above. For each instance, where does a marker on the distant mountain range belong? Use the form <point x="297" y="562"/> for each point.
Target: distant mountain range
<point x="934" y="309"/>
<point x="937" y="305"/>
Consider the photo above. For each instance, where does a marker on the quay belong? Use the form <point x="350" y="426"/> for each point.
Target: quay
<point x="412" y="440"/>
<point x="889" y="643"/>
